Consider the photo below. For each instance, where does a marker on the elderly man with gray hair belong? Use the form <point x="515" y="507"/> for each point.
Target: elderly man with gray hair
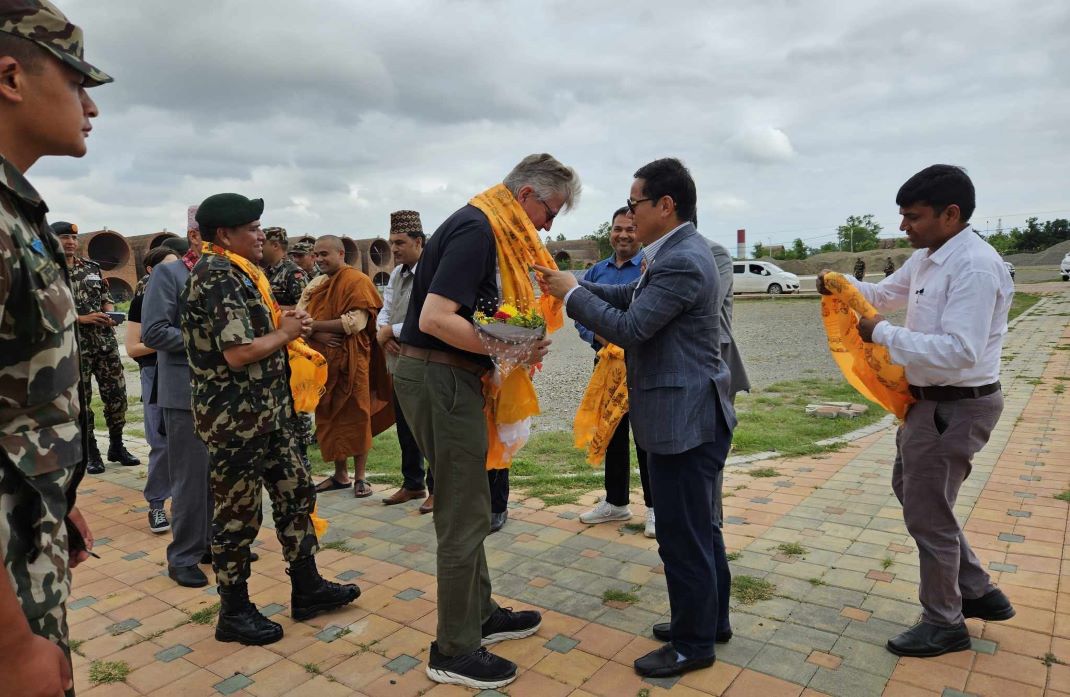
<point x="438" y="384"/>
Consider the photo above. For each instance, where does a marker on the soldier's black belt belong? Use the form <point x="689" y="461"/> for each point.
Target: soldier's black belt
<point x="950" y="393"/>
<point x="444" y="358"/>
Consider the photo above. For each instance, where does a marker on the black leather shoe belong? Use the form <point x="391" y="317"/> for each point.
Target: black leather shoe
<point x="94" y="465"/>
<point x="991" y="607"/>
<point x="206" y="558"/>
<point x="661" y="633"/>
<point x="312" y="595"/>
<point x="240" y="621"/>
<point x="188" y="576"/>
<point x="663" y="663"/>
<point x="497" y="520"/>
<point x="117" y="452"/>
<point x="924" y="640"/>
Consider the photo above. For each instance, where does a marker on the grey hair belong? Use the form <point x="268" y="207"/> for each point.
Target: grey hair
<point x="543" y="173"/>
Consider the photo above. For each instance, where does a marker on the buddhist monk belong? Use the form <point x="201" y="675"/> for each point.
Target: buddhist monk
<point x="358" y="401"/>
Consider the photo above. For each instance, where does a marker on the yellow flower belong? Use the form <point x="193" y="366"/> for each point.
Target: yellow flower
<point x="508" y="309"/>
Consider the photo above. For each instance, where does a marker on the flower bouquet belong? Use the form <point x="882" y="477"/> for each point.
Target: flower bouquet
<point x="508" y="334"/>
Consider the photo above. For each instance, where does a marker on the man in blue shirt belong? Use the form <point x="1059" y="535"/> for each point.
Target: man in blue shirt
<point x="624" y="266"/>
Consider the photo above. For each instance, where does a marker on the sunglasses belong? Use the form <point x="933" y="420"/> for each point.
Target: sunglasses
<point x="550" y="213"/>
<point x="632" y="204"/>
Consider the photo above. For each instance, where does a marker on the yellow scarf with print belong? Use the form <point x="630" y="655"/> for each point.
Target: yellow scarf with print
<point x="308" y="369"/>
<point x="604" y="404"/>
<point x="867" y="367"/>
<point x="518" y="246"/>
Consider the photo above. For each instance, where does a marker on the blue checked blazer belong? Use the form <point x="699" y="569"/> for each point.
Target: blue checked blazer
<point x="669" y="332"/>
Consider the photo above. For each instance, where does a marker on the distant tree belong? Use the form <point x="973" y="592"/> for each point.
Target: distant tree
<point x="560" y="237"/>
<point x="827" y="247"/>
<point x="859" y="233"/>
<point x="1002" y="242"/>
<point x="549" y="239"/>
<point x="601" y="236"/>
<point x="799" y="250"/>
<point x="758" y="250"/>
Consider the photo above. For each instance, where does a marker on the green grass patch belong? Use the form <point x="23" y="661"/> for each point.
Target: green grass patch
<point x="763" y="472"/>
<point x="886" y="563"/>
<point x="1065" y="496"/>
<point x="775" y="418"/>
<point x="75" y="645"/>
<point x="633" y="527"/>
<point x="1021" y="303"/>
<point x="1059" y="388"/>
<point x="748" y="590"/>
<point x="1050" y="659"/>
<point x="338" y="546"/>
<point x="792" y="549"/>
<point x="312" y="668"/>
<point x="733" y="556"/>
<point x="619" y="596"/>
<point x="103" y="672"/>
<point x="815" y="582"/>
<point x="205" y="615"/>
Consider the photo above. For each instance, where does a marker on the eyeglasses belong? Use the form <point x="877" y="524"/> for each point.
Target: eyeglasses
<point x="632" y="204"/>
<point x="550" y="213"/>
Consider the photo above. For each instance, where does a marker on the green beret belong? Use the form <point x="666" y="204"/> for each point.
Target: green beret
<point x="228" y="210"/>
<point x="63" y="228"/>
<point x="179" y="245"/>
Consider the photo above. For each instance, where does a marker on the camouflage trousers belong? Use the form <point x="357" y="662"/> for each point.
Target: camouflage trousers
<point x="302" y="429"/>
<point x="33" y="539"/>
<point x="239" y="470"/>
<point x="100" y="359"/>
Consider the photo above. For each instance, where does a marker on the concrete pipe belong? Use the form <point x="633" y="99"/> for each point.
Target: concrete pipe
<point x="352" y="253"/>
<point x="107" y="248"/>
<point x="141" y="244"/>
<point x="376" y="256"/>
<point x="121" y="291"/>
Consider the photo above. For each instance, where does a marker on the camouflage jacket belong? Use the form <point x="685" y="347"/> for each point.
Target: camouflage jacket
<point x="90" y="295"/>
<point x="222" y="308"/>
<point x="287" y="281"/>
<point x="39" y="388"/>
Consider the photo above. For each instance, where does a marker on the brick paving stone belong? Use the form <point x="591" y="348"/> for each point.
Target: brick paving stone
<point x="561" y="644"/>
<point x="403" y="664"/>
<point x="233" y="684"/>
<point x="170" y="654"/>
<point x="824" y="660"/>
<point x="783" y="663"/>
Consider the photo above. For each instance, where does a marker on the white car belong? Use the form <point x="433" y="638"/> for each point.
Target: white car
<point x="1064" y="268"/>
<point x="1010" y="268"/>
<point x="762" y="277"/>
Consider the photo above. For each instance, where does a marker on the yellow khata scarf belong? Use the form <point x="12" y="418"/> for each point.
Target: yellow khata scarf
<point x="518" y="246"/>
<point x="604" y="404"/>
<point x="867" y="367"/>
<point x="308" y="369"/>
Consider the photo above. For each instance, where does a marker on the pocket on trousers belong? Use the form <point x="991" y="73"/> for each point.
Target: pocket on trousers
<point x="943" y="413"/>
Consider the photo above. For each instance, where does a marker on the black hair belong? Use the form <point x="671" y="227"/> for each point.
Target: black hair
<point x="29" y="55"/>
<point x="939" y="186"/>
<point x="415" y="234"/>
<point x="208" y="232"/>
<point x="623" y="210"/>
<point x="156" y="255"/>
<point x="669" y="177"/>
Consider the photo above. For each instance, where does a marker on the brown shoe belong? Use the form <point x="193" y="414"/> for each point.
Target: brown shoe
<point x="429" y="505"/>
<point x="402" y="495"/>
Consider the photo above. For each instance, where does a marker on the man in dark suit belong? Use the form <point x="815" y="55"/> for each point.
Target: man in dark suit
<point x="187" y="456"/>
<point x="668" y="323"/>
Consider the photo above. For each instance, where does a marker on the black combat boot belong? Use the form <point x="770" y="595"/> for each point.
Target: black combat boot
<point x="117" y="452"/>
<point x="240" y="621"/>
<point x="94" y="465"/>
<point x="312" y="594"/>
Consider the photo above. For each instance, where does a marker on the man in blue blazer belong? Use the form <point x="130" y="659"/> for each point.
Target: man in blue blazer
<point x="668" y="323"/>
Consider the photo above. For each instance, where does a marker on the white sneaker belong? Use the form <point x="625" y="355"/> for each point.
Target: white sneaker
<point x="605" y="512"/>
<point x="649" y="531"/>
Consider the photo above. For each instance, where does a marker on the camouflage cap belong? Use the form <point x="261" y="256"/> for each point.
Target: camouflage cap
<point x="41" y="22"/>
<point x="63" y="228"/>
<point x="302" y="246"/>
<point x="276" y="234"/>
<point x="406" y="222"/>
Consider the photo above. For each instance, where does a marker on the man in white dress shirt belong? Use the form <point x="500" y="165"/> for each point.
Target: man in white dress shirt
<point x="957" y="292"/>
<point x="406" y="243"/>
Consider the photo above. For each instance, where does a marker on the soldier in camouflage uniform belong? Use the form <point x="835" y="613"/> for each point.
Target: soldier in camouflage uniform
<point x="301" y="254"/>
<point x="242" y="408"/>
<point x="45" y="111"/>
<point x="288" y="280"/>
<point x="100" y="350"/>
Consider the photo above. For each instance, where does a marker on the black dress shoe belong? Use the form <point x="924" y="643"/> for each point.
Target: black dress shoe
<point x="206" y="558"/>
<point x="661" y="633"/>
<point x="497" y="520"/>
<point x="188" y="576"/>
<point x="924" y="640"/>
<point x="663" y="663"/>
<point x="991" y="607"/>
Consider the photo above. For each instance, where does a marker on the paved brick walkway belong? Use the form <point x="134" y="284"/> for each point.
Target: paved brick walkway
<point x="822" y="632"/>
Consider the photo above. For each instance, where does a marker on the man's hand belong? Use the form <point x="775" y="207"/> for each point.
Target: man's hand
<point x="866" y="325"/>
<point x="79" y="556"/>
<point x="601" y="339"/>
<point x="306" y="321"/>
<point x="98" y="319"/>
<point x="385" y="337"/>
<point x="35" y="668"/>
<point x="538" y="350"/>
<point x="328" y="339"/>
<point x="291" y="326"/>
<point x="821" y="282"/>
<point x="555" y="283"/>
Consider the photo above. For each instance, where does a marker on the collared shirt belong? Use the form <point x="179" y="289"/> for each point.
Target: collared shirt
<point x="957" y="299"/>
<point x="607" y="272"/>
<point x="384" y="317"/>
<point x="649" y="252"/>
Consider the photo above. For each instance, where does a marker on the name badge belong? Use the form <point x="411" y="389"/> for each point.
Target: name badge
<point x="93" y="277"/>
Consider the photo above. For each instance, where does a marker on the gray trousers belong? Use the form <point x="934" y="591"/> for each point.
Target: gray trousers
<point x="158" y="482"/>
<point x="191" y="500"/>
<point x="444" y="409"/>
<point x="934" y="448"/>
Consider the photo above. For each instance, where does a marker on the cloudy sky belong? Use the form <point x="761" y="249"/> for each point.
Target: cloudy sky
<point x="791" y="115"/>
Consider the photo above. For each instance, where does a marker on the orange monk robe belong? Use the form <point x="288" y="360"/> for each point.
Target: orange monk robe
<point x="358" y="403"/>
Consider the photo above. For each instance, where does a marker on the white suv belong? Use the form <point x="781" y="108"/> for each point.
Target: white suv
<point x="1064" y="268"/>
<point x="762" y="277"/>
